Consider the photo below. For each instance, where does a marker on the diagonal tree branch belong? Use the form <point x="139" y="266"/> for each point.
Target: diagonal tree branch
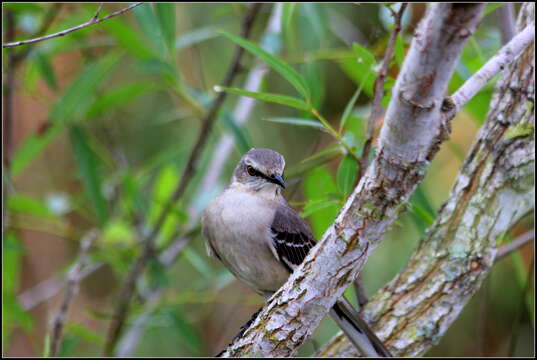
<point x="414" y="128"/>
<point x="71" y="289"/>
<point x="126" y="292"/>
<point x="493" y="191"/>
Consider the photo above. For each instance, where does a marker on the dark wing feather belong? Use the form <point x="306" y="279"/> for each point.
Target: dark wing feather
<point x="292" y="237"/>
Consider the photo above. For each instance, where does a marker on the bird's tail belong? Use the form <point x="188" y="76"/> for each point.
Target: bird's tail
<point x="357" y="330"/>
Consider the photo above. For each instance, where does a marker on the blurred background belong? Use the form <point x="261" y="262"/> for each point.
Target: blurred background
<point x="99" y="125"/>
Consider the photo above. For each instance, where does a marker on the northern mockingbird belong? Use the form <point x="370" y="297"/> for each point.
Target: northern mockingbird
<point x="252" y="230"/>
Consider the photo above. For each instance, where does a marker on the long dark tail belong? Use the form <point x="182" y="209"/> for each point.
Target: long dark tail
<point x="357" y="330"/>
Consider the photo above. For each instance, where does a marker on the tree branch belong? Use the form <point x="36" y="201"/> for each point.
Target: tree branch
<point x="94" y="20"/>
<point x="504" y="57"/>
<point x="121" y="309"/>
<point x="493" y="191"/>
<point x="71" y="289"/>
<point x="410" y="137"/>
<point x="376" y="113"/>
<point x="515" y="244"/>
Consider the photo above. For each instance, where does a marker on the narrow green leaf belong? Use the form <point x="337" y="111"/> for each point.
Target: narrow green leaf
<point x="195" y="37"/>
<point x="46" y="69"/>
<point x="28" y="205"/>
<point x="32" y="147"/>
<point x="290" y="74"/>
<point x="76" y="98"/>
<point x="242" y="138"/>
<point x="313" y="206"/>
<point x="297" y="121"/>
<point x="350" y="106"/>
<point x="85" y="333"/>
<point x="323" y="152"/>
<point x="269" y="97"/>
<point x="150" y="25"/>
<point x="166" y="16"/>
<point x="88" y="170"/>
<point x="346" y="174"/>
<point x="317" y="185"/>
<point x="287" y="17"/>
<point x="117" y="97"/>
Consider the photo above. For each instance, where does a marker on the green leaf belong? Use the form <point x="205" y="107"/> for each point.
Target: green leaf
<point x="361" y="68"/>
<point x="45" y="68"/>
<point x="26" y="204"/>
<point x="70" y="105"/>
<point x="127" y="38"/>
<point x="317" y="185"/>
<point x="185" y="331"/>
<point x="297" y="121"/>
<point x="85" y="333"/>
<point x="242" y="138"/>
<point x="349" y="107"/>
<point x="150" y="25"/>
<point x="491" y="7"/>
<point x="322" y="153"/>
<point x="287" y="17"/>
<point x="88" y="170"/>
<point x="195" y="37"/>
<point x="313" y="206"/>
<point x="32" y="147"/>
<point x="269" y="97"/>
<point x="166" y="16"/>
<point x="118" y="97"/>
<point x="346" y="174"/>
<point x="289" y="74"/>
<point x="75" y="98"/>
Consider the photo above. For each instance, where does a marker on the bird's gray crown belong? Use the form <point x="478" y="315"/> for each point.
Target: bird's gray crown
<point x="260" y="166"/>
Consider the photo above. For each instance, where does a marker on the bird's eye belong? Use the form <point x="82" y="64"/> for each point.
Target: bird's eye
<point x="251" y="170"/>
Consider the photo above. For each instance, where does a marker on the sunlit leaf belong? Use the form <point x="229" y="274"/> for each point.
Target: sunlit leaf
<point x="28" y="205"/>
<point x="275" y="98"/>
<point x="297" y="121"/>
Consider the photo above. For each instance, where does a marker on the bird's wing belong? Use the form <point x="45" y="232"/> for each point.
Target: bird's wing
<point x="291" y="237"/>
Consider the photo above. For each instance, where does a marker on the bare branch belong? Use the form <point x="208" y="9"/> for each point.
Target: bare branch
<point x="94" y="20"/>
<point x="493" y="67"/>
<point x="71" y="289"/>
<point x="122" y="307"/>
<point x="515" y="244"/>
<point x="410" y="137"/>
<point x="506" y="22"/>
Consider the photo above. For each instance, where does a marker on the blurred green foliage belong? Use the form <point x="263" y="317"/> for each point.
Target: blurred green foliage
<point x="129" y="94"/>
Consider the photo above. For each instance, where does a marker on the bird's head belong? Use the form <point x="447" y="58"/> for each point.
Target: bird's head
<point x="260" y="170"/>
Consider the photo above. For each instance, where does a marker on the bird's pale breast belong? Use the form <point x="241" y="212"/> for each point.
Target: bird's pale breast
<point x="244" y="219"/>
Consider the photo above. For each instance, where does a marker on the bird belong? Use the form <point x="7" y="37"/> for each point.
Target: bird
<point x="252" y="230"/>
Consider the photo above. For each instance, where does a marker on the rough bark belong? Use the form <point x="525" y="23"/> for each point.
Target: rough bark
<point x="494" y="189"/>
<point x="413" y="130"/>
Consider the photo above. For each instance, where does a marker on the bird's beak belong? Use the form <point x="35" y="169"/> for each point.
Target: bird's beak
<point x="277" y="179"/>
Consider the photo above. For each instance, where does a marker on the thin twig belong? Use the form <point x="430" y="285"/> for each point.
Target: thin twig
<point x="51" y="14"/>
<point x="376" y="113"/>
<point x="94" y="20"/>
<point x="376" y="110"/>
<point x="70" y="290"/>
<point x="121" y="310"/>
<point x="514" y="245"/>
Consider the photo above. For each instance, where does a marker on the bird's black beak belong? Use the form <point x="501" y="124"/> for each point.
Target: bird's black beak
<point x="277" y="179"/>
